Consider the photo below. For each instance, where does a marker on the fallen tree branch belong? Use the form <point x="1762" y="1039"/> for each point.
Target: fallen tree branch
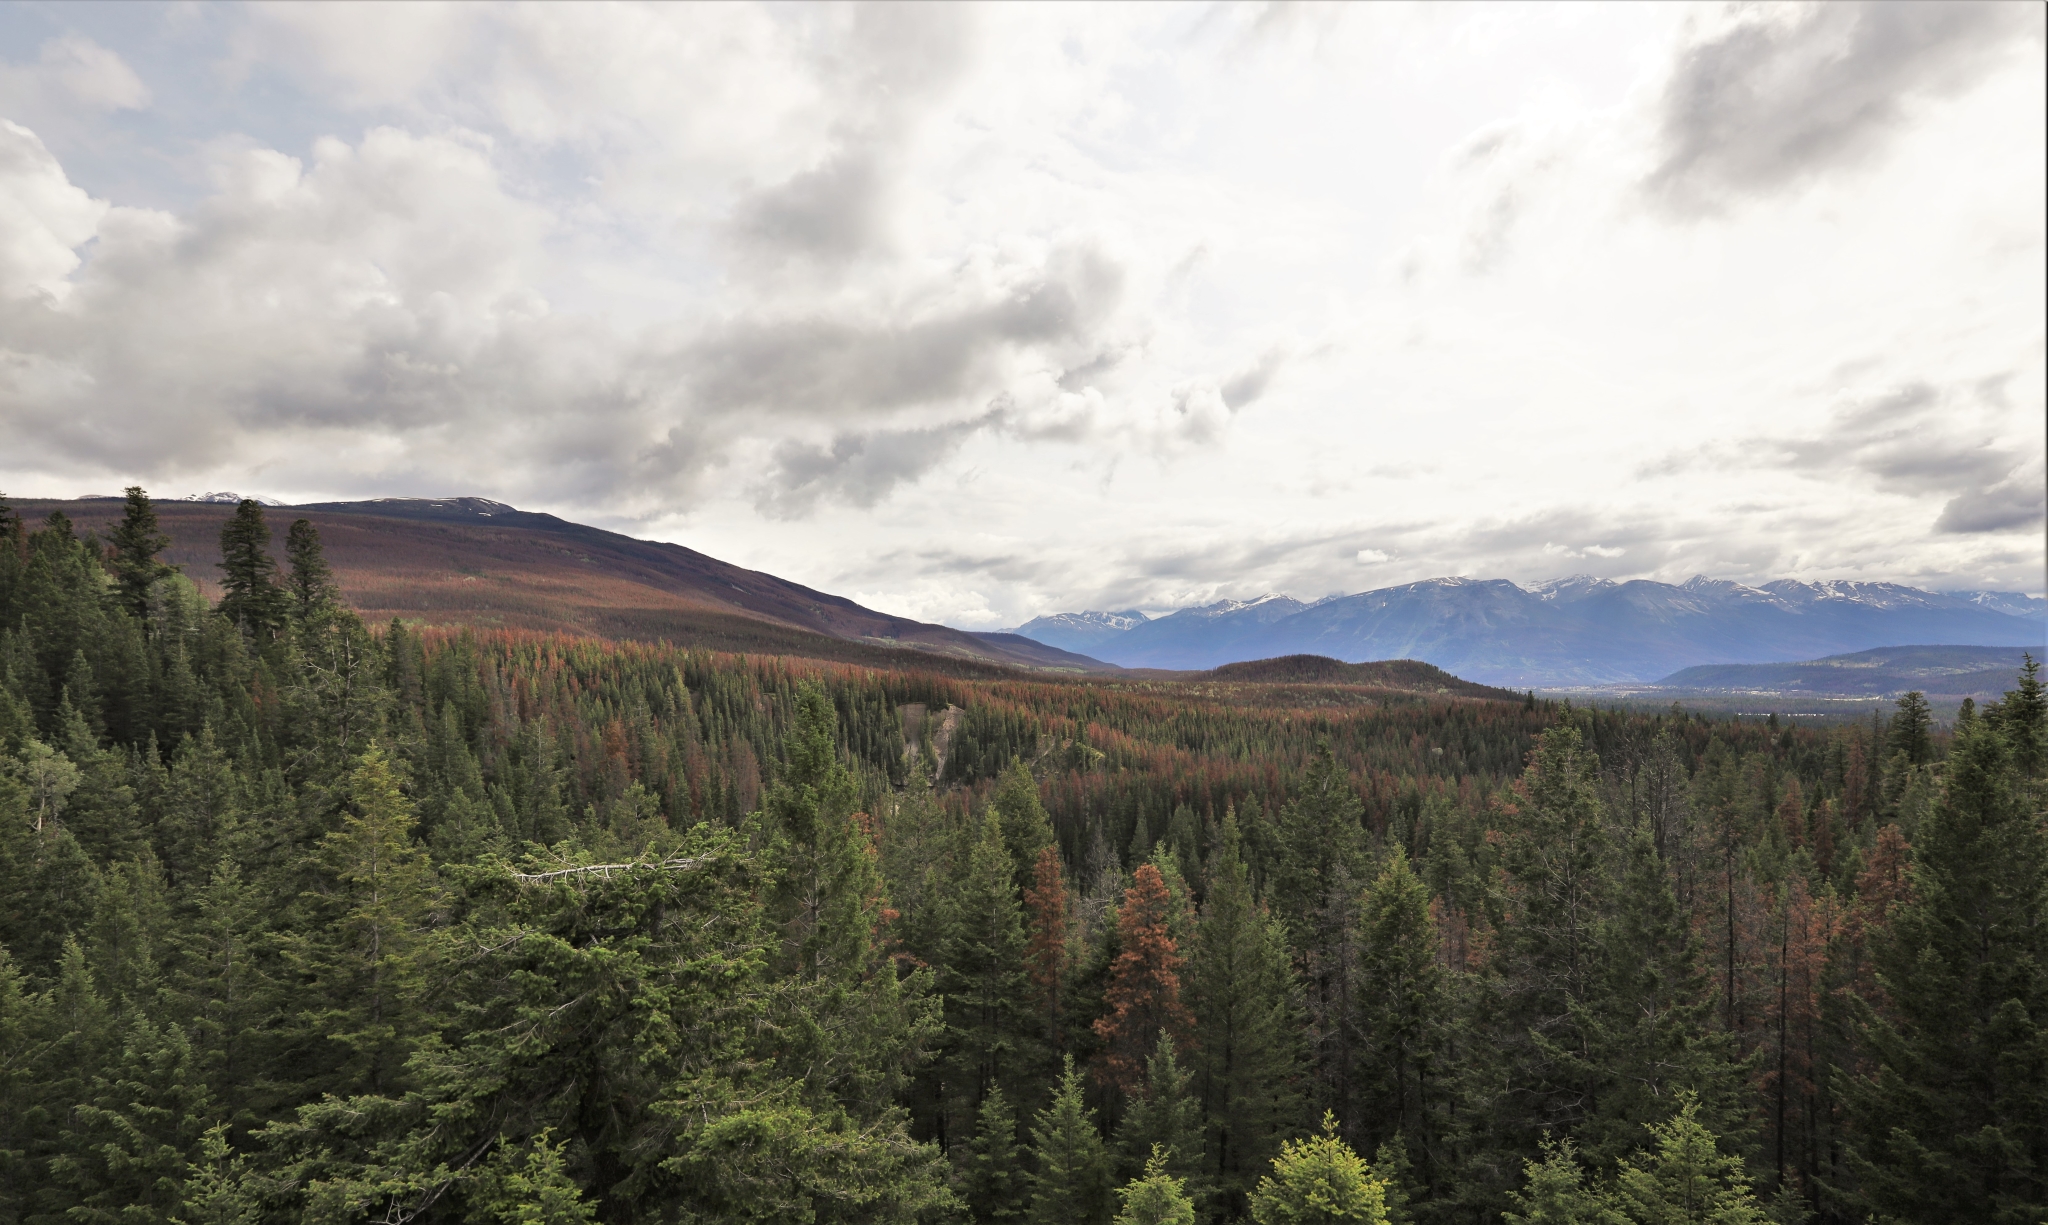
<point x="606" y="869"/>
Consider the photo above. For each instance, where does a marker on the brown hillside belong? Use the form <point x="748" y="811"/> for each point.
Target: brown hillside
<point x="1409" y="675"/>
<point x="469" y="561"/>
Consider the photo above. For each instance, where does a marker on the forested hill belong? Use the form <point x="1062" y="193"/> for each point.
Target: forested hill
<point x="471" y="561"/>
<point x="307" y="920"/>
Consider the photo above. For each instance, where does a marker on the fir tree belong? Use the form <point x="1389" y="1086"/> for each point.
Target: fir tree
<point x="1045" y="956"/>
<point x="1071" y="1186"/>
<point x="1155" y="1196"/>
<point x="137" y="541"/>
<point x="1319" y="1181"/>
<point x="984" y="985"/>
<point x="1909" y="733"/>
<point x="1165" y="1121"/>
<point x="1322" y="866"/>
<point x="1404" y="1013"/>
<point x="309" y="581"/>
<point x="251" y="599"/>
<point x="1687" y="1180"/>
<point x="1952" y="1124"/>
<point x="1248" y="1043"/>
<point x="995" y="1178"/>
<point x="1556" y="1191"/>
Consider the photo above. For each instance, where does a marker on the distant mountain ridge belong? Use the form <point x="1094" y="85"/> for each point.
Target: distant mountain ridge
<point x="1946" y="674"/>
<point x="1570" y="631"/>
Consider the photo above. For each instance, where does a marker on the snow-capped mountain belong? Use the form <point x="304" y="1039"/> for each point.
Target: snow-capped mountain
<point x="1080" y="631"/>
<point x="1576" y="630"/>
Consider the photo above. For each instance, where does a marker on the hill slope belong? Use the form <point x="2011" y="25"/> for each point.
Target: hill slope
<point x="471" y="561"/>
<point x="1942" y="672"/>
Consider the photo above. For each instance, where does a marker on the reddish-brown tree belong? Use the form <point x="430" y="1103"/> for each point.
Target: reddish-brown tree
<point x="1792" y="812"/>
<point x="1143" y="996"/>
<point x="1045" y="957"/>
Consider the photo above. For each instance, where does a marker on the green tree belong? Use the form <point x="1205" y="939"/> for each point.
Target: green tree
<point x="1910" y="729"/>
<point x="1556" y="1191"/>
<point x="137" y="540"/>
<point x="1686" y="1180"/>
<point x="2023" y="718"/>
<point x="1315" y="886"/>
<point x="127" y="1147"/>
<point x="1027" y="829"/>
<point x="1319" y="1181"/>
<point x="1072" y="1184"/>
<point x="1165" y="1117"/>
<point x="1155" y="1197"/>
<point x="994" y="1182"/>
<point x="984" y="983"/>
<point x="1405" y="1014"/>
<point x="251" y="599"/>
<point x="1952" y="1122"/>
<point x="1247" y="1036"/>
<point x="309" y="580"/>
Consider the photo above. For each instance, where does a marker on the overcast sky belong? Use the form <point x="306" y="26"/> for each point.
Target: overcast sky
<point x="977" y="313"/>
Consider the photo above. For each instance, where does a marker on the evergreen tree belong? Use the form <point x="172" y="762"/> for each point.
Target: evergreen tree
<point x="127" y="1146"/>
<point x="1952" y="1123"/>
<point x="251" y="598"/>
<point x="1045" y="956"/>
<point x="1071" y="1186"/>
<point x="1319" y="1181"/>
<point x="1404" y="1013"/>
<point x="1558" y="1192"/>
<point x="1143" y="997"/>
<point x="2023" y="718"/>
<point x="1910" y="728"/>
<point x="1164" y="1121"/>
<point x="995" y="1177"/>
<point x="1321" y="869"/>
<point x="1248" y="1038"/>
<point x="137" y="541"/>
<point x="984" y="984"/>
<point x="375" y="956"/>
<point x="1027" y="829"/>
<point x="309" y="581"/>
<point x="1155" y="1196"/>
<point x="1687" y="1180"/>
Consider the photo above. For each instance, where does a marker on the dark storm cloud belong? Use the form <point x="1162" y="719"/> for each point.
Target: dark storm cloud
<point x="826" y="365"/>
<point x="1776" y="99"/>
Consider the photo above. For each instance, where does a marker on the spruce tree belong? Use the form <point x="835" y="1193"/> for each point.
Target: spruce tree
<point x="137" y="540"/>
<point x="1557" y="1191"/>
<point x="309" y="581"/>
<point x="984" y="983"/>
<point x="1156" y="1196"/>
<point x="1952" y="1122"/>
<point x="1909" y="732"/>
<point x="1247" y="1053"/>
<point x="1404" y="1010"/>
<point x="1319" y="1181"/>
<point x="1143" y="997"/>
<point x="1687" y="1178"/>
<point x="251" y="599"/>
<point x="1072" y="1184"/>
<point x="1315" y="886"/>
<point x="994" y="1184"/>
<point x="1164" y="1120"/>
<point x="126" y="1147"/>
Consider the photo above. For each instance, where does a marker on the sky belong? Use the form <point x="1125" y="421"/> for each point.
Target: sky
<point x="977" y="313"/>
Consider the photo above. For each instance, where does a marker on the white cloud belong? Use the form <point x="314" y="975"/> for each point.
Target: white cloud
<point x="1006" y="310"/>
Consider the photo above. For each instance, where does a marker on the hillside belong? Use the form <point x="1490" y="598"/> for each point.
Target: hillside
<point x="1573" y="632"/>
<point x="1944" y="673"/>
<point x="1403" y="674"/>
<point x="474" y="562"/>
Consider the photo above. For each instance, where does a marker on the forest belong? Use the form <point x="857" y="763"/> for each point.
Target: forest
<point x="303" y="919"/>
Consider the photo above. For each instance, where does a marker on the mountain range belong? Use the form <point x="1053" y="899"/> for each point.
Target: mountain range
<point x="1565" y="632"/>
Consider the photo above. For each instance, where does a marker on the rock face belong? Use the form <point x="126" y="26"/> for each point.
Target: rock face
<point x="1575" y="631"/>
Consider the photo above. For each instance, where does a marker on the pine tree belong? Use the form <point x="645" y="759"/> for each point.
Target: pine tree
<point x="1045" y="956"/>
<point x="1248" y="1044"/>
<point x="1027" y="829"/>
<point x="995" y="1178"/>
<point x="2023" y="719"/>
<point x="1143" y="996"/>
<point x="1319" y="1181"/>
<point x="1071" y="1186"/>
<point x="1952" y="1124"/>
<point x="137" y="541"/>
<point x="251" y="599"/>
<point x="309" y="582"/>
<point x="1910" y="727"/>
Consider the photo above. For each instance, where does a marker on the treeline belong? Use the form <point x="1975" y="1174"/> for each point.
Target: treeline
<point x="305" y="921"/>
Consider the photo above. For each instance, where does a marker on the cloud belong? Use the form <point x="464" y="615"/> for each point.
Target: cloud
<point x="72" y="72"/>
<point x="1777" y="95"/>
<point x="2017" y="503"/>
<point x="43" y="217"/>
<point x="823" y="365"/>
<point x="1244" y="387"/>
<point x="858" y="469"/>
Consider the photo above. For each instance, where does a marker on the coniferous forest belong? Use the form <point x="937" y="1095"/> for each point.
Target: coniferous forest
<point x="303" y="919"/>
